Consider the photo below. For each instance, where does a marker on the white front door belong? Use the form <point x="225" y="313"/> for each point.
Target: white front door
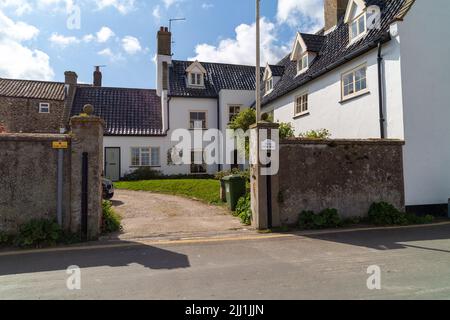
<point x="112" y="164"/>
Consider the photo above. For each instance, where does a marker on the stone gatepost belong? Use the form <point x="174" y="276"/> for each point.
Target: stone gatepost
<point x="264" y="152"/>
<point x="87" y="158"/>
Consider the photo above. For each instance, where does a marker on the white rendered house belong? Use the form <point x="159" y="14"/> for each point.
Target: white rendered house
<point x="369" y="83"/>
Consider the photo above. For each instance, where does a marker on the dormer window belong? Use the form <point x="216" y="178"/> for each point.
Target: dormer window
<point x="196" y="79"/>
<point x="302" y="63"/>
<point x="195" y="75"/>
<point x="356" y="18"/>
<point x="358" y="27"/>
<point x="269" y="85"/>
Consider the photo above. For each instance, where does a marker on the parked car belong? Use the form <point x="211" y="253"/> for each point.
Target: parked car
<point x="108" y="189"/>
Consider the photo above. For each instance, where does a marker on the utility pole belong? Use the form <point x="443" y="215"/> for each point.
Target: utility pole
<point x="258" y="62"/>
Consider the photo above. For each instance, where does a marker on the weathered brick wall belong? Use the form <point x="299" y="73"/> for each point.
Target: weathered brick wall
<point x="345" y="175"/>
<point x="18" y="115"/>
<point x="28" y="177"/>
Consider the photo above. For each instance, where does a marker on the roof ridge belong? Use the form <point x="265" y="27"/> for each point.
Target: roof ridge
<point x="116" y="88"/>
<point x="28" y="80"/>
<point x="220" y="63"/>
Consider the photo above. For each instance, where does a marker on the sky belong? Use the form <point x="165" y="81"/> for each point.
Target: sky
<point x="40" y="39"/>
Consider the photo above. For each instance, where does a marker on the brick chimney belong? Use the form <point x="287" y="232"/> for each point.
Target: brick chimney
<point x="164" y="42"/>
<point x="97" y="77"/>
<point x="334" y="10"/>
<point x="71" y="82"/>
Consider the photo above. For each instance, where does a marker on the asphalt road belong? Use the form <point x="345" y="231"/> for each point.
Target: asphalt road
<point x="414" y="263"/>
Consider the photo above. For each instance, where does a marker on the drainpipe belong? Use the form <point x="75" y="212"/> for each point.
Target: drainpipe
<point x="219" y="167"/>
<point x="380" y="91"/>
<point x="168" y="115"/>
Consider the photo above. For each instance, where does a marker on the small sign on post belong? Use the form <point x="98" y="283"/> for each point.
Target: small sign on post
<point x="60" y="145"/>
<point x="268" y="145"/>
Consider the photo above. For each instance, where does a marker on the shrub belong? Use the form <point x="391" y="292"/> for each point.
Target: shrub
<point x="328" y="218"/>
<point x="4" y="238"/>
<point x="143" y="173"/>
<point x="112" y="222"/>
<point x="383" y="213"/>
<point x="244" y="210"/>
<point x="38" y="232"/>
<point x="222" y="174"/>
<point x="286" y="131"/>
<point x="322" y="134"/>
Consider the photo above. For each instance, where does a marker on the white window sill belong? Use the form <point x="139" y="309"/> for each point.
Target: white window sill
<point x="301" y="72"/>
<point x="354" y="96"/>
<point x="354" y="40"/>
<point x="301" y="115"/>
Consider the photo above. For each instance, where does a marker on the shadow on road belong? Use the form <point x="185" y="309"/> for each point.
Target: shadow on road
<point x="146" y="256"/>
<point x="390" y="239"/>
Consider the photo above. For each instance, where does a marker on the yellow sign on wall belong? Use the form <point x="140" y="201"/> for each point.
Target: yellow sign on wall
<point x="60" y="145"/>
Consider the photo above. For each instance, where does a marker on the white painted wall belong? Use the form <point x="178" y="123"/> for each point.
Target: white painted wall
<point x="179" y="119"/>
<point x="356" y="118"/>
<point x="425" y="48"/>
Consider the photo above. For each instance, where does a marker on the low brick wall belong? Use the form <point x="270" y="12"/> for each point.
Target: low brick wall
<point x="28" y="177"/>
<point x="348" y="175"/>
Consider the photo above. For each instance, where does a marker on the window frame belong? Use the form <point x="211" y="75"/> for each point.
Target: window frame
<point x="300" y="67"/>
<point x="230" y="119"/>
<point x="43" y="105"/>
<point x="360" y="34"/>
<point x="269" y="85"/>
<point x="206" y="119"/>
<point x="194" y="77"/>
<point x="302" y="104"/>
<point x="194" y="165"/>
<point x="353" y="73"/>
<point x="150" y="157"/>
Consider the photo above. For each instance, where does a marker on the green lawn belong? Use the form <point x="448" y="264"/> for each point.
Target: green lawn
<point x="204" y="190"/>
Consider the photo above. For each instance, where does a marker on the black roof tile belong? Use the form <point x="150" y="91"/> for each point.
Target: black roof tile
<point x="127" y="112"/>
<point x="335" y="50"/>
<point x="219" y="76"/>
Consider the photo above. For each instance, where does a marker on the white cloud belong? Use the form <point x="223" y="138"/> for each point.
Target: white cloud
<point x="131" y="45"/>
<point x="104" y="34"/>
<point x="157" y="12"/>
<point x="62" y="41"/>
<point x="242" y="49"/>
<point x="108" y="53"/>
<point x="207" y="6"/>
<point x="304" y="15"/>
<point x="20" y="7"/>
<point x="123" y="6"/>
<point x="169" y="3"/>
<point x="17" y="60"/>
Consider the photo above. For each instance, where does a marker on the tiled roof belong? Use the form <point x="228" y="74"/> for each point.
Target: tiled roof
<point x="127" y="112"/>
<point x="218" y="77"/>
<point x="313" y="42"/>
<point x="32" y="89"/>
<point x="335" y="50"/>
<point x="277" y="71"/>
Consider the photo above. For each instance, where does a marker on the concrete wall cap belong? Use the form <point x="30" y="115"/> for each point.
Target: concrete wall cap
<point x="298" y="141"/>
<point x="32" y="137"/>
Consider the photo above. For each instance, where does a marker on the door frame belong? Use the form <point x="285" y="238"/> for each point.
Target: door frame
<point x="120" y="160"/>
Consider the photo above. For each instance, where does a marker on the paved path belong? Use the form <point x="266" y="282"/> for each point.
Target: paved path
<point x="151" y="215"/>
<point x="414" y="262"/>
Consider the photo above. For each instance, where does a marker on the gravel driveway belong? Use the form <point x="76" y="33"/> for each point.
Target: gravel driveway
<point x="148" y="214"/>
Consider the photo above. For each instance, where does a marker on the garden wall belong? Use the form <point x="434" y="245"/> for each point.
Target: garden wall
<point x="28" y="177"/>
<point x="348" y="175"/>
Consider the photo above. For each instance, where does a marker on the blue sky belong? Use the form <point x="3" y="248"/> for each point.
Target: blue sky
<point x="40" y="39"/>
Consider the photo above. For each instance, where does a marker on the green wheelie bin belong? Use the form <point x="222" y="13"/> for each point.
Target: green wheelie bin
<point x="235" y="188"/>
